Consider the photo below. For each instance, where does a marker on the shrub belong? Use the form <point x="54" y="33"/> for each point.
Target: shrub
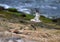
<point x="54" y="20"/>
<point x="23" y="15"/>
<point x="12" y="9"/>
<point x="1" y="8"/>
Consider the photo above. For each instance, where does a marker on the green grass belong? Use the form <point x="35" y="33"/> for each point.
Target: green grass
<point x="46" y="20"/>
<point x="9" y="14"/>
<point x="28" y="17"/>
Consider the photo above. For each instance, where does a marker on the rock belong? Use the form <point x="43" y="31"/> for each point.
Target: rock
<point x="33" y="27"/>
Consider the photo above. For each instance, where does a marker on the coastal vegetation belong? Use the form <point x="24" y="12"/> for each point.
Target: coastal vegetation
<point x="13" y="12"/>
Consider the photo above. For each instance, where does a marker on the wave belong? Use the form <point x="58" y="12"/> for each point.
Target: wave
<point x="21" y="8"/>
<point x="5" y="6"/>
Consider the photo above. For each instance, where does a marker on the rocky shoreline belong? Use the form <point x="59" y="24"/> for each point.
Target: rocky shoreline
<point x="29" y="31"/>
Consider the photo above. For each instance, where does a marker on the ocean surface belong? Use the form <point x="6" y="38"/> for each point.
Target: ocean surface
<point x="48" y="8"/>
